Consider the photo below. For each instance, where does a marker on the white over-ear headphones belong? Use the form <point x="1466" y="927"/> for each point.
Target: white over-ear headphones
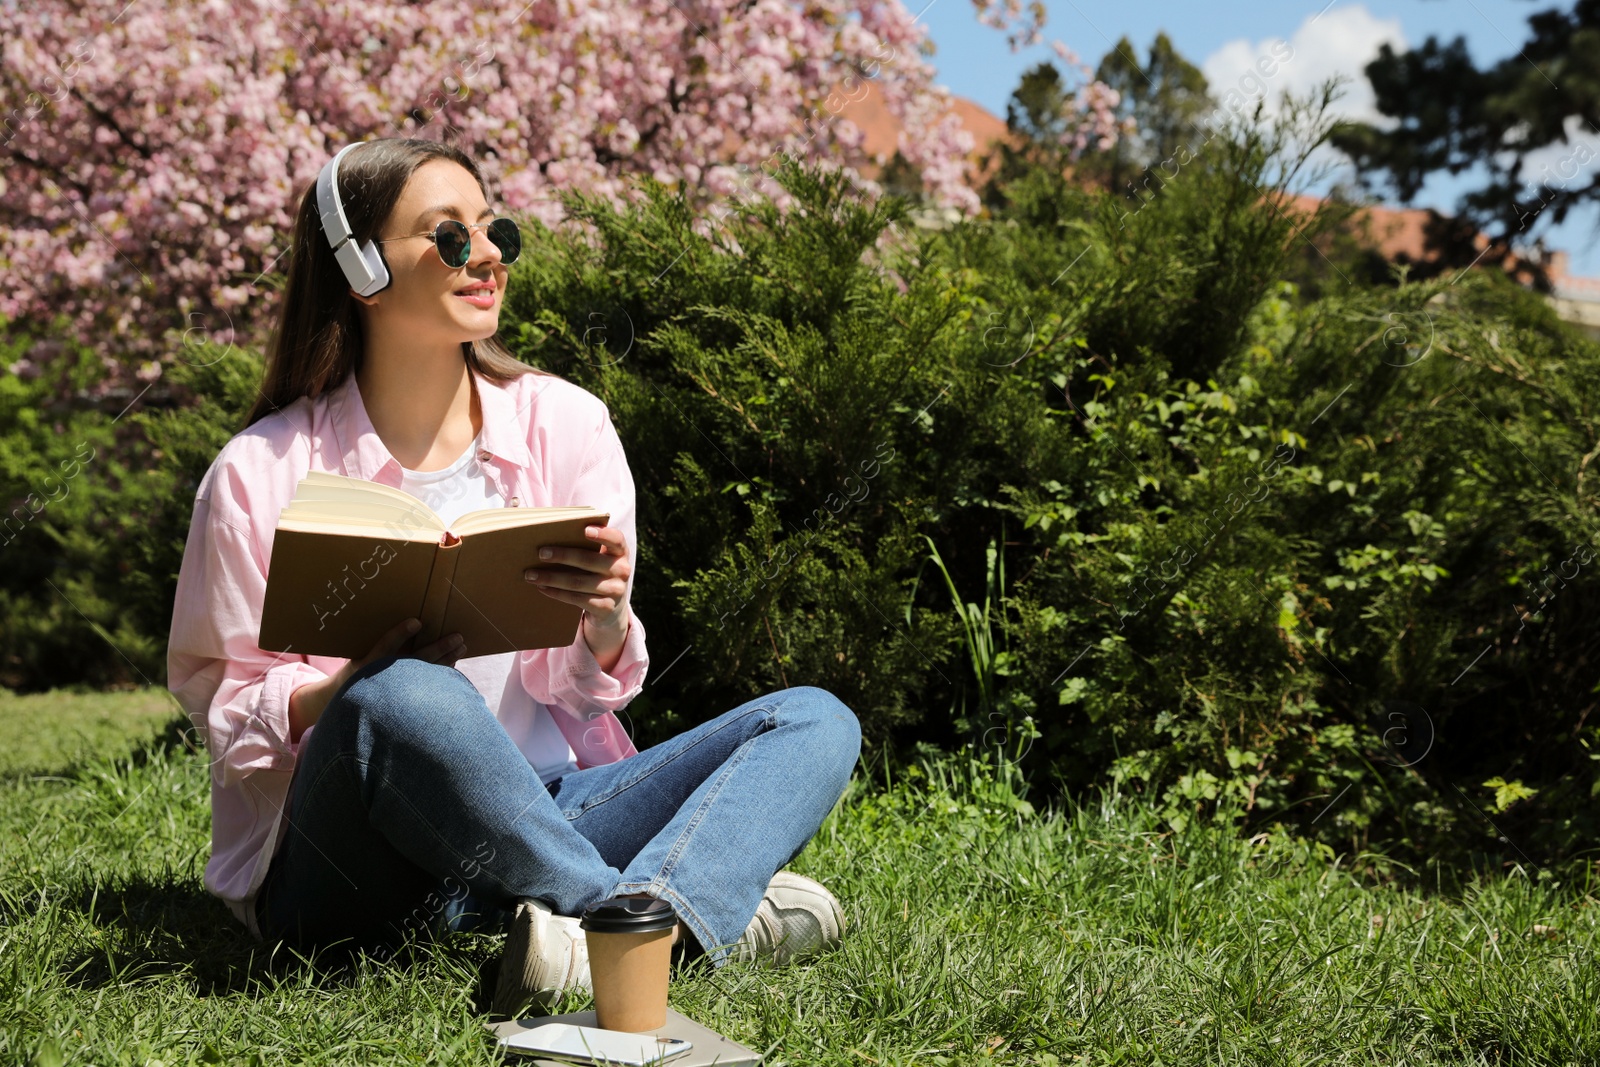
<point x="363" y="267"/>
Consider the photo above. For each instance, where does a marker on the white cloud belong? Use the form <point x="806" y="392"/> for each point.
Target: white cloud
<point x="1342" y="40"/>
<point x="1566" y="164"/>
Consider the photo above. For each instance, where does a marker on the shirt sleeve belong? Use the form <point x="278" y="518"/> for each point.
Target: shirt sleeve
<point x="570" y="677"/>
<point x="237" y="693"/>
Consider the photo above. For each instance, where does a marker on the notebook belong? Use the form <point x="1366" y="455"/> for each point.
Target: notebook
<point x="711" y="1049"/>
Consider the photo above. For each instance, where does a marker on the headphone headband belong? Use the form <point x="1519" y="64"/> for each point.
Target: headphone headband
<point x="364" y="268"/>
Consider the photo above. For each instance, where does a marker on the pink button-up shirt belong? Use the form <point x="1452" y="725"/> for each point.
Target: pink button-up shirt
<point x="545" y="442"/>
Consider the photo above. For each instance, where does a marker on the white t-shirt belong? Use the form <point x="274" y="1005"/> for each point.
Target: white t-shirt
<point x="452" y="492"/>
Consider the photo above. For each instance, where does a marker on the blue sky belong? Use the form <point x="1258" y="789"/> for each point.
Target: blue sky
<point x="974" y="60"/>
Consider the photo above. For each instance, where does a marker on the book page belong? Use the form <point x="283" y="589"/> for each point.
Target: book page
<point x="505" y="518"/>
<point x="382" y="527"/>
<point x="336" y="488"/>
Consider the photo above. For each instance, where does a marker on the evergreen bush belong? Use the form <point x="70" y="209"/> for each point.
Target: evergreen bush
<point x="1093" y="490"/>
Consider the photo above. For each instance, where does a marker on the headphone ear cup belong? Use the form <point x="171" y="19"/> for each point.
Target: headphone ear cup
<point x="372" y="256"/>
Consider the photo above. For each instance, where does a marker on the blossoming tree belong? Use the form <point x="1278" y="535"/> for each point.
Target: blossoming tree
<point x="151" y="153"/>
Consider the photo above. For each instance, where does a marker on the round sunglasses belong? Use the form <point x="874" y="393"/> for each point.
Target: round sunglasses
<point x="453" y="239"/>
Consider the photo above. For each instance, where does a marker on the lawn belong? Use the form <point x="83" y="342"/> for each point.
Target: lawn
<point x="979" y="931"/>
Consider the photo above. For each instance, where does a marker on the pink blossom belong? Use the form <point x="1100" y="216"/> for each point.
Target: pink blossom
<point x="153" y="153"/>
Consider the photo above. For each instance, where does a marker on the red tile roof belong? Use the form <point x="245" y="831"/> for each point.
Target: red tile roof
<point x="1398" y="234"/>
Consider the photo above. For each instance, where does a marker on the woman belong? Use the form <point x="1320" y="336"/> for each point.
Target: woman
<point x="421" y="789"/>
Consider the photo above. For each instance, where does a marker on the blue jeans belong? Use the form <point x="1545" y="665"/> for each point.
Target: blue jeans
<point x="411" y="811"/>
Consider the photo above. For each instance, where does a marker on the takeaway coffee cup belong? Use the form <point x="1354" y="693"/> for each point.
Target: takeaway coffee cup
<point x="630" y="958"/>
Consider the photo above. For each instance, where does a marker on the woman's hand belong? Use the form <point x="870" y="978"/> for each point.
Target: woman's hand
<point x="600" y="582"/>
<point x="307" y="703"/>
<point x="598" y="588"/>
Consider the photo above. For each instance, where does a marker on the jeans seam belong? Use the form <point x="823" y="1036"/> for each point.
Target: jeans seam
<point x="333" y="765"/>
<point x="263" y="905"/>
<point x="732" y="764"/>
<point x="448" y="846"/>
<point x="622" y="787"/>
<point x="686" y="911"/>
<point x="669" y="864"/>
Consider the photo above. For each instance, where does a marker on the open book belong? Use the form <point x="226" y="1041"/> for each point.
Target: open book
<point x="351" y="558"/>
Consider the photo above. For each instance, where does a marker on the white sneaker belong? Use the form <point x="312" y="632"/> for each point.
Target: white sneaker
<point x="797" y="917"/>
<point x="544" y="954"/>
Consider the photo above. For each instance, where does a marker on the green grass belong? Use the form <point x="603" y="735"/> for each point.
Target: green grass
<point x="48" y="731"/>
<point x="978" y="932"/>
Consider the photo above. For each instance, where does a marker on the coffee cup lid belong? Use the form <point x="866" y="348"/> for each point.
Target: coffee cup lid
<point x="629" y="915"/>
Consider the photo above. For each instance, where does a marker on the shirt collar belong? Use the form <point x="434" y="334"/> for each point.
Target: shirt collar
<point x="365" y="455"/>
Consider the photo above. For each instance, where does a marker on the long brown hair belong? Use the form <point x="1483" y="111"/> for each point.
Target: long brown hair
<point x="318" y="340"/>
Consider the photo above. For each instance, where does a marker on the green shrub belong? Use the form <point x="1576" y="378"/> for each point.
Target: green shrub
<point x="100" y="497"/>
<point x="1094" y="492"/>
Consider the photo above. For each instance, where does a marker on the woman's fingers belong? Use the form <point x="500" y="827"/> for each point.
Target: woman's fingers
<point x="602" y="559"/>
<point x="446" y="650"/>
<point x="390" y="644"/>
<point x="598" y="596"/>
<point x="394" y="643"/>
<point x="400" y="633"/>
<point x="611" y="537"/>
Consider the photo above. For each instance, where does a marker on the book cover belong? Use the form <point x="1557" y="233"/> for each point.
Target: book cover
<point x="351" y="558"/>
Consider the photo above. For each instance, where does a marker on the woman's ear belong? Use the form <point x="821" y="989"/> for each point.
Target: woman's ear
<point x="372" y="301"/>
